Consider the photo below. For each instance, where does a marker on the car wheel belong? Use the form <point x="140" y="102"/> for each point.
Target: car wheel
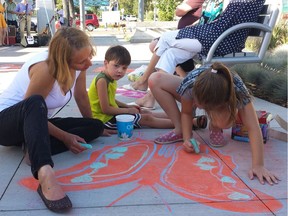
<point x="90" y="27"/>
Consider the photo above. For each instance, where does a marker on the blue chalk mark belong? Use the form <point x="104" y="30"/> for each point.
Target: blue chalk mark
<point x="84" y="178"/>
<point x="239" y="196"/>
<point x="228" y="179"/>
<point x="113" y="155"/>
<point x="98" y="165"/>
<point x="120" y="149"/>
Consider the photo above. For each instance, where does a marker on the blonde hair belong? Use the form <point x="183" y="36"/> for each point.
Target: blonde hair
<point x="214" y="89"/>
<point x="64" y="43"/>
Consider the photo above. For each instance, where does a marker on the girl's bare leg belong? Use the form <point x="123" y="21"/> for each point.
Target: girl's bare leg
<point x="163" y="87"/>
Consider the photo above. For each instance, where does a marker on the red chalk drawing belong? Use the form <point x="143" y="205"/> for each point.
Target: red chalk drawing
<point x="200" y="177"/>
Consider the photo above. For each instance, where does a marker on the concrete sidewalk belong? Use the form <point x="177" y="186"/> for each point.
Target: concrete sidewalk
<point x="140" y="178"/>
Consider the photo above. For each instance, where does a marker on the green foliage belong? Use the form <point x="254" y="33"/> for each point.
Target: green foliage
<point x="130" y="7"/>
<point x="269" y="79"/>
<point x="279" y="37"/>
<point x="149" y="15"/>
<point x="279" y="34"/>
<point x="277" y="60"/>
<point x="276" y="87"/>
<point x="166" y="9"/>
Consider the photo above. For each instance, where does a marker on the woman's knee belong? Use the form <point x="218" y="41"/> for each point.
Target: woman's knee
<point x="35" y="102"/>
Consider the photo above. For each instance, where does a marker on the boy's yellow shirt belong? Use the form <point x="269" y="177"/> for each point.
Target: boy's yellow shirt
<point x="94" y="99"/>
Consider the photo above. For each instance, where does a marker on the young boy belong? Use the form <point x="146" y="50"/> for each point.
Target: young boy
<point x="102" y="93"/>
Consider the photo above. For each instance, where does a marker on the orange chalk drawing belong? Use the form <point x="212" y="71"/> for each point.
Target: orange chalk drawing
<point x="200" y="177"/>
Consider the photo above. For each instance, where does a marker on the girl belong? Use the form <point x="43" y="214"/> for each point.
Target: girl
<point x="224" y="97"/>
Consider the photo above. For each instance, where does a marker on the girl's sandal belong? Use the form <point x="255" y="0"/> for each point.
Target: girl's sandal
<point x="201" y="122"/>
<point x="216" y="138"/>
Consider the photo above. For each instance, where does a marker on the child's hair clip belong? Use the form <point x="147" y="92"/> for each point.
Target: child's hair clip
<point x="213" y="70"/>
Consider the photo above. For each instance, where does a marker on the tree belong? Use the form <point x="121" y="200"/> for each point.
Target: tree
<point x="167" y="9"/>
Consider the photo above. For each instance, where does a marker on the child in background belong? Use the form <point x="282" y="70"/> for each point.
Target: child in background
<point x="224" y="97"/>
<point x="102" y="94"/>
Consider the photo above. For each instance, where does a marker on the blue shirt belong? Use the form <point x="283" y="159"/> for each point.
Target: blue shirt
<point x="20" y="7"/>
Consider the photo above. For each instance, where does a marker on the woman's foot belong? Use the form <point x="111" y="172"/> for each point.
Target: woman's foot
<point x="50" y="191"/>
<point x="140" y="85"/>
<point x="148" y="101"/>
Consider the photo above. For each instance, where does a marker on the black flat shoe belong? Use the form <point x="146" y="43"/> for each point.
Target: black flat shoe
<point x="60" y="205"/>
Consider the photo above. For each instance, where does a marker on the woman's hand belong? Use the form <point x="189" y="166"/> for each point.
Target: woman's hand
<point x="72" y="142"/>
<point x="263" y="174"/>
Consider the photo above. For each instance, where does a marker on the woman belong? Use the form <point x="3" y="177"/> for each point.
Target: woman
<point x="177" y="46"/>
<point x="43" y="84"/>
<point x="3" y="25"/>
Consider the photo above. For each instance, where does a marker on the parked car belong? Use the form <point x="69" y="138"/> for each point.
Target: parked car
<point x="131" y="18"/>
<point x="91" y="21"/>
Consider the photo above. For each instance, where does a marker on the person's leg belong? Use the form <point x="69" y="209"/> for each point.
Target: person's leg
<point x="4" y="35"/>
<point x="163" y="44"/>
<point x="151" y="121"/>
<point x="87" y="128"/>
<point x="163" y="86"/>
<point x="1" y="36"/>
<point x="147" y="101"/>
<point x="142" y="83"/>
<point x="28" y="25"/>
<point x="26" y="122"/>
<point x="22" y="25"/>
<point x="172" y="57"/>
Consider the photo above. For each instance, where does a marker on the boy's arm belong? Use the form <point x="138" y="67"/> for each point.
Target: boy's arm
<point x="104" y="101"/>
<point x="249" y="118"/>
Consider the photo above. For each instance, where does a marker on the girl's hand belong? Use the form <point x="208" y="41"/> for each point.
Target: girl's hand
<point x="188" y="147"/>
<point x="263" y="174"/>
<point x="72" y="143"/>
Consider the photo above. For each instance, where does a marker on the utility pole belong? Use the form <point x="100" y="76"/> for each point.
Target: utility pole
<point x="82" y="15"/>
<point x="141" y="10"/>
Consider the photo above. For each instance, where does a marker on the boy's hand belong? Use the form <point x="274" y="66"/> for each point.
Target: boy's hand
<point x="133" y="110"/>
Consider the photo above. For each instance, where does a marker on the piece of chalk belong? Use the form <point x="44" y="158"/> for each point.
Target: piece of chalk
<point x="195" y="145"/>
<point x="88" y="146"/>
